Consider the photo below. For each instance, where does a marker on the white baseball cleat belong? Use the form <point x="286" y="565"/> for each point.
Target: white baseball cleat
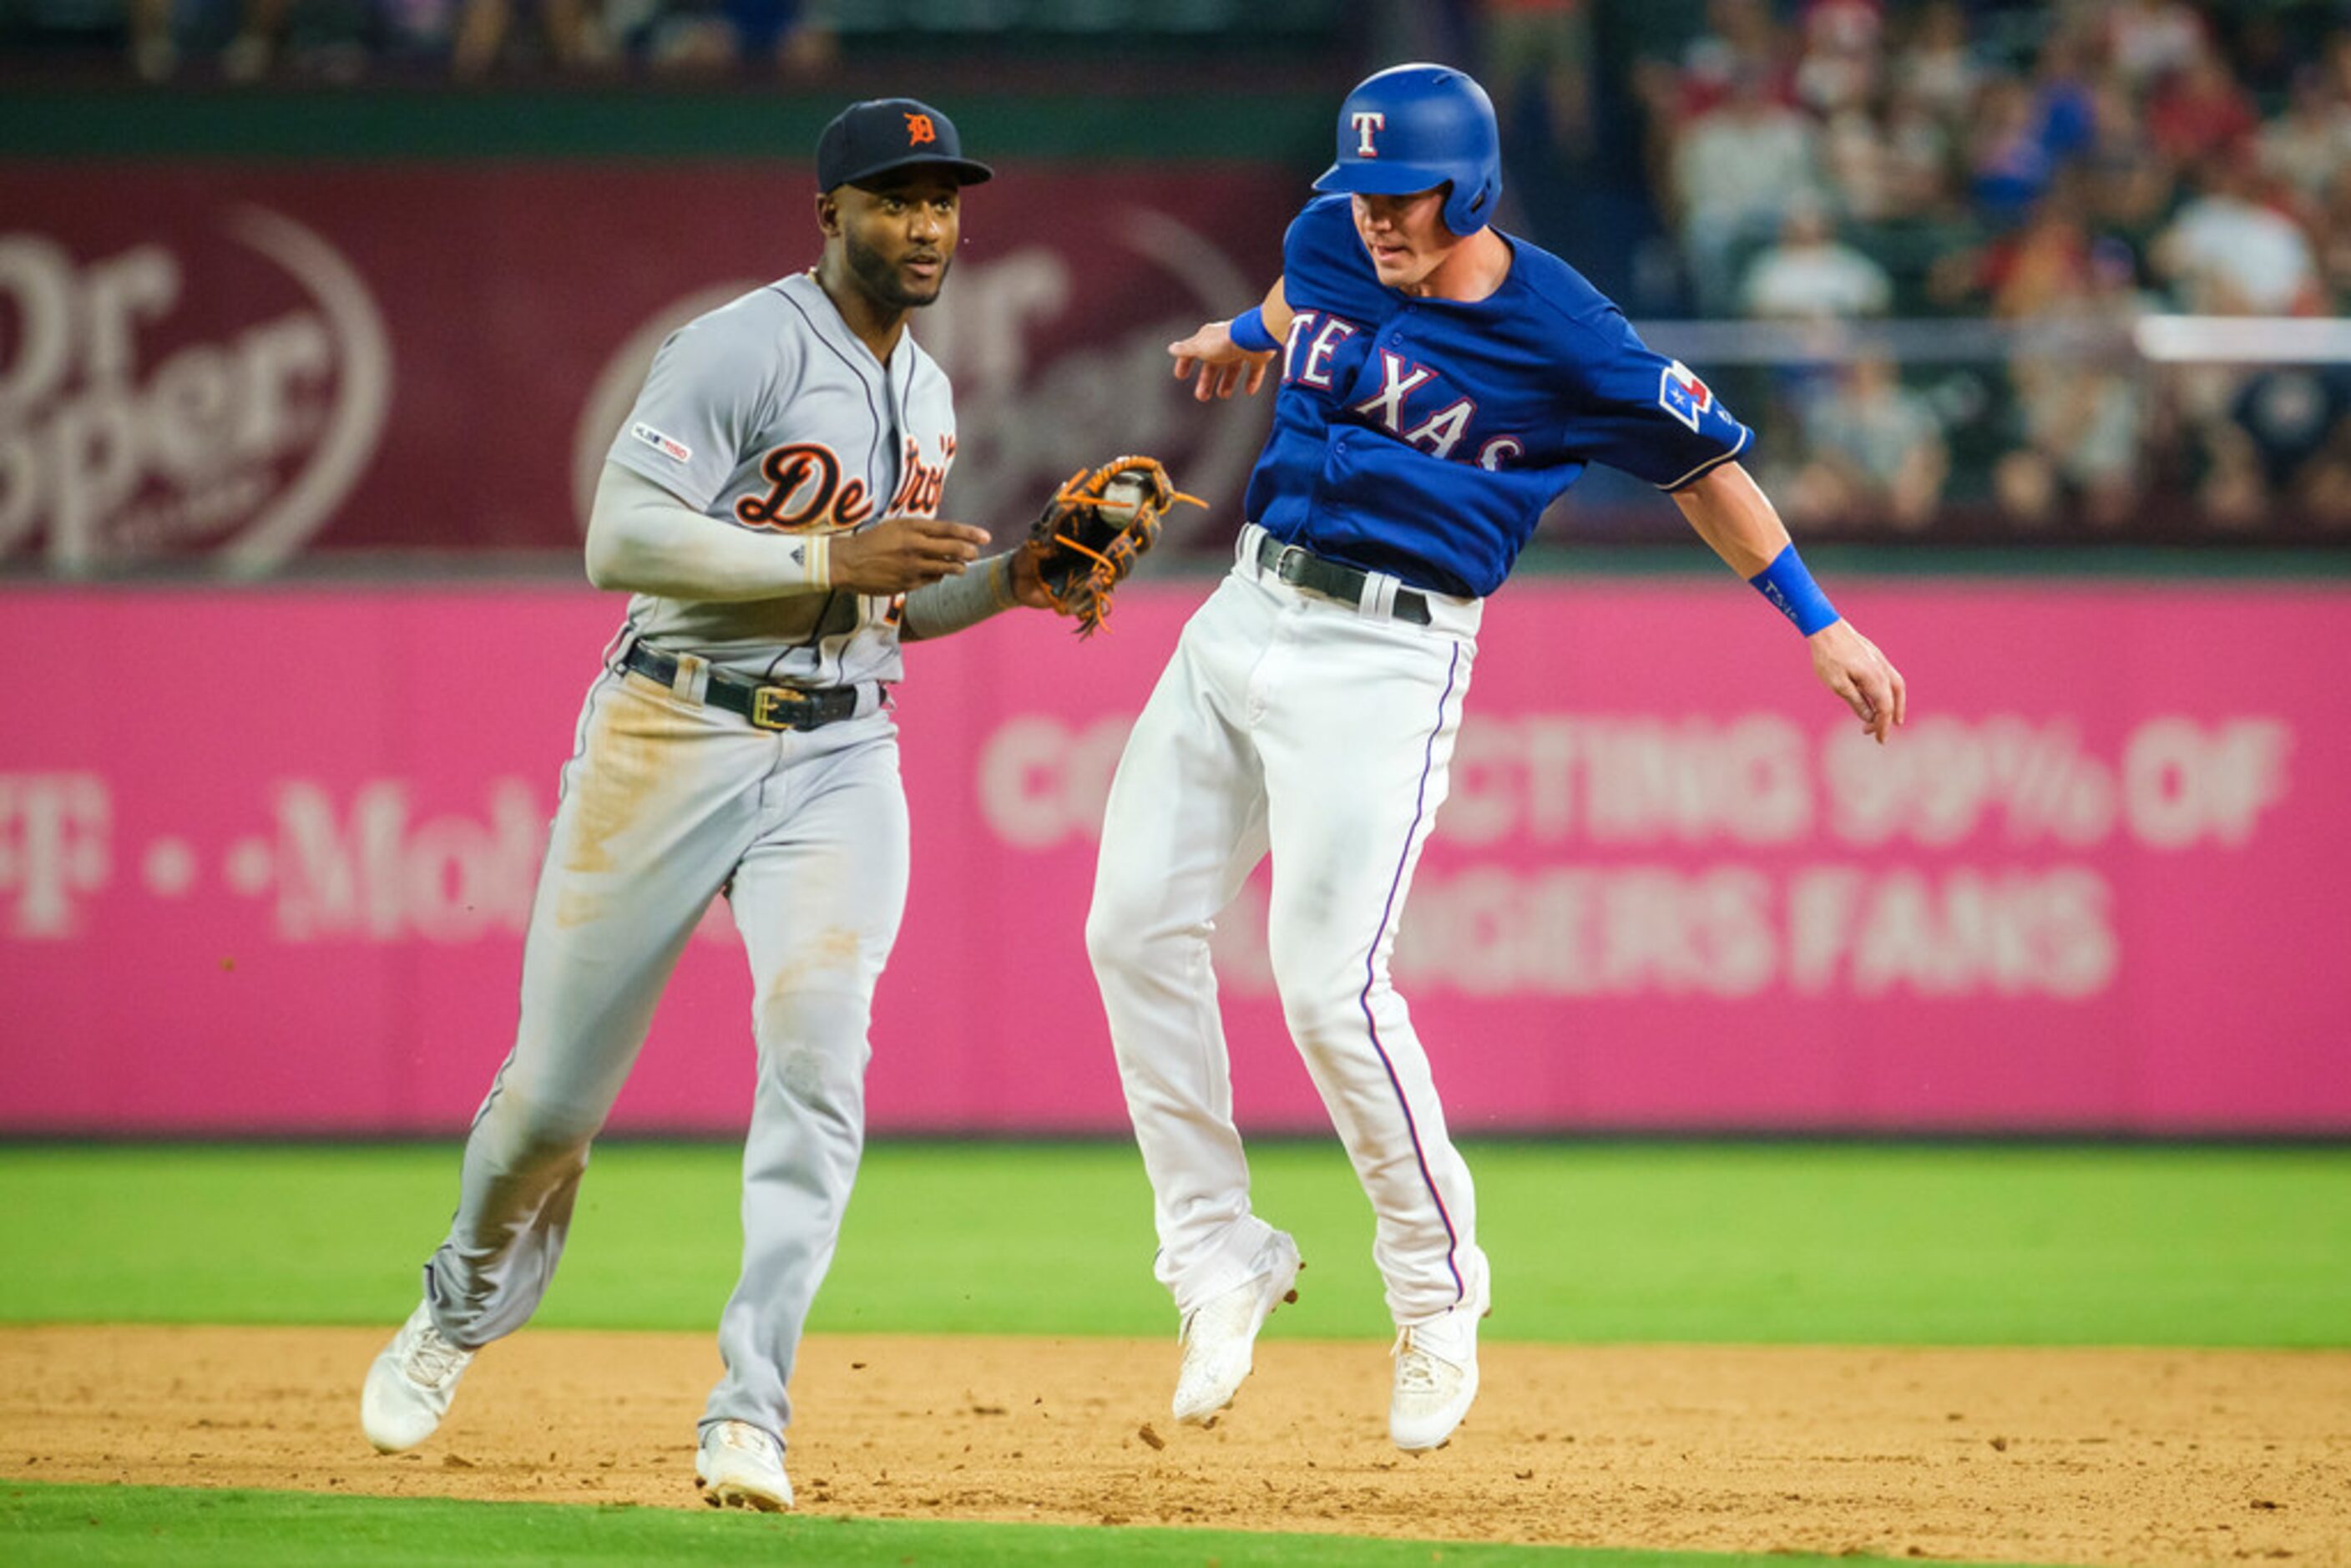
<point x="409" y="1387"/>
<point x="1435" y="1379"/>
<point x="1220" y="1335"/>
<point x="741" y="1466"/>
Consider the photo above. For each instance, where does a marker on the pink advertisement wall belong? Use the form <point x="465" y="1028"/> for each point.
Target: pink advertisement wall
<point x="264" y="856"/>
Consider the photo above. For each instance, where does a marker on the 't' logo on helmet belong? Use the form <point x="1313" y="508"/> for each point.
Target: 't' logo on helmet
<point x="920" y="130"/>
<point x="1366" y="121"/>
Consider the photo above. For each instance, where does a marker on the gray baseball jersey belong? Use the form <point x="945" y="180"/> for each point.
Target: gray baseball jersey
<point x="769" y="413"/>
<point x="766" y="414"/>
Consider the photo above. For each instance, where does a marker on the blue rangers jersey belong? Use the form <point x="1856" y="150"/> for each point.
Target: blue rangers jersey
<point x="1424" y="437"/>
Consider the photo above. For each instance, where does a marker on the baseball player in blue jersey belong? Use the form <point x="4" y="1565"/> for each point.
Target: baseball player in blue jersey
<point x="1440" y="384"/>
<point x="771" y="504"/>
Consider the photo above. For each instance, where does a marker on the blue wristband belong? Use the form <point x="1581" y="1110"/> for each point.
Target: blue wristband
<point x="1792" y="592"/>
<point x="1247" y="330"/>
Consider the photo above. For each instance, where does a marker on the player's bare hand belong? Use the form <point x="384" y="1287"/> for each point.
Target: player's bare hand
<point x="1216" y="366"/>
<point x="898" y="554"/>
<point x="1849" y="664"/>
<point x="1027" y="587"/>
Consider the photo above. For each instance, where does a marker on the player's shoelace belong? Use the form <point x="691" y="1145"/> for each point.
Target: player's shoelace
<point x="1416" y="1368"/>
<point x="750" y="1439"/>
<point x="432" y="1360"/>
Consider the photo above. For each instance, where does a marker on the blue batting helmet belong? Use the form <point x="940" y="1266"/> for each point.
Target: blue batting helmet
<point x="1413" y="127"/>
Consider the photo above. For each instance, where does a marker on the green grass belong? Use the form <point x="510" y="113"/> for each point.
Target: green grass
<point x="44" y="1524"/>
<point x="1990" y="1244"/>
<point x="1774" y="1242"/>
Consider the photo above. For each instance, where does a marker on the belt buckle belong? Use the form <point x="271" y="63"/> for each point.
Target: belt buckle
<point x="766" y="702"/>
<point x="1290" y="566"/>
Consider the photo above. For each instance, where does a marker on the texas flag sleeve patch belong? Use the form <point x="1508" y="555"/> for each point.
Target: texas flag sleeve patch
<point x="1683" y="396"/>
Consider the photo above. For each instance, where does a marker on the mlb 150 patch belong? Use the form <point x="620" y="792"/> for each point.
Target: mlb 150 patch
<point x="669" y="446"/>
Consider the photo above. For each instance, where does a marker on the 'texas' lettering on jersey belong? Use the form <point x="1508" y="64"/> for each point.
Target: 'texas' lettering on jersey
<point x="1312" y="357"/>
<point x="806" y="489"/>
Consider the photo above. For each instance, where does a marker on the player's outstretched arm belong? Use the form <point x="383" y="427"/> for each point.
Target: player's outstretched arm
<point x="1734" y="517"/>
<point x="991" y="587"/>
<point x="1222" y="365"/>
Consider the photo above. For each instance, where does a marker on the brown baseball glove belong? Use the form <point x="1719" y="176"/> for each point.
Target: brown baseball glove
<point x="1096" y="528"/>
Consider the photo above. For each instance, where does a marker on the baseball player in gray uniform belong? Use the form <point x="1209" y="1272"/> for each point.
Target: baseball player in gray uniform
<point x="771" y="504"/>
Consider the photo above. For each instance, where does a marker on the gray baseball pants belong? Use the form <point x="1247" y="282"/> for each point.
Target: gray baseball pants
<point x="667" y="804"/>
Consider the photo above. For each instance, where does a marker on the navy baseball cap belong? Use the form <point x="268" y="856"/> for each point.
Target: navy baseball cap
<point x="885" y="133"/>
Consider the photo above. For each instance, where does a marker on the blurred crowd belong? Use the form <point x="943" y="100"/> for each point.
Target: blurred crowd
<point x="245" y="41"/>
<point x="2063" y="170"/>
<point x="796" y="42"/>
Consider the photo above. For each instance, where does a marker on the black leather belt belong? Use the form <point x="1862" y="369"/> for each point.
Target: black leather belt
<point x="1301" y="567"/>
<point x="767" y="707"/>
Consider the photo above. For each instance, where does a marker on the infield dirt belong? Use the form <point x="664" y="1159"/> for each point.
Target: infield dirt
<point x="2149" y="1459"/>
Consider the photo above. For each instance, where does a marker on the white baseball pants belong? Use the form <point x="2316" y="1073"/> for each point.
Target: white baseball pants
<point x="1319" y="732"/>
<point x="666" y="805"/>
